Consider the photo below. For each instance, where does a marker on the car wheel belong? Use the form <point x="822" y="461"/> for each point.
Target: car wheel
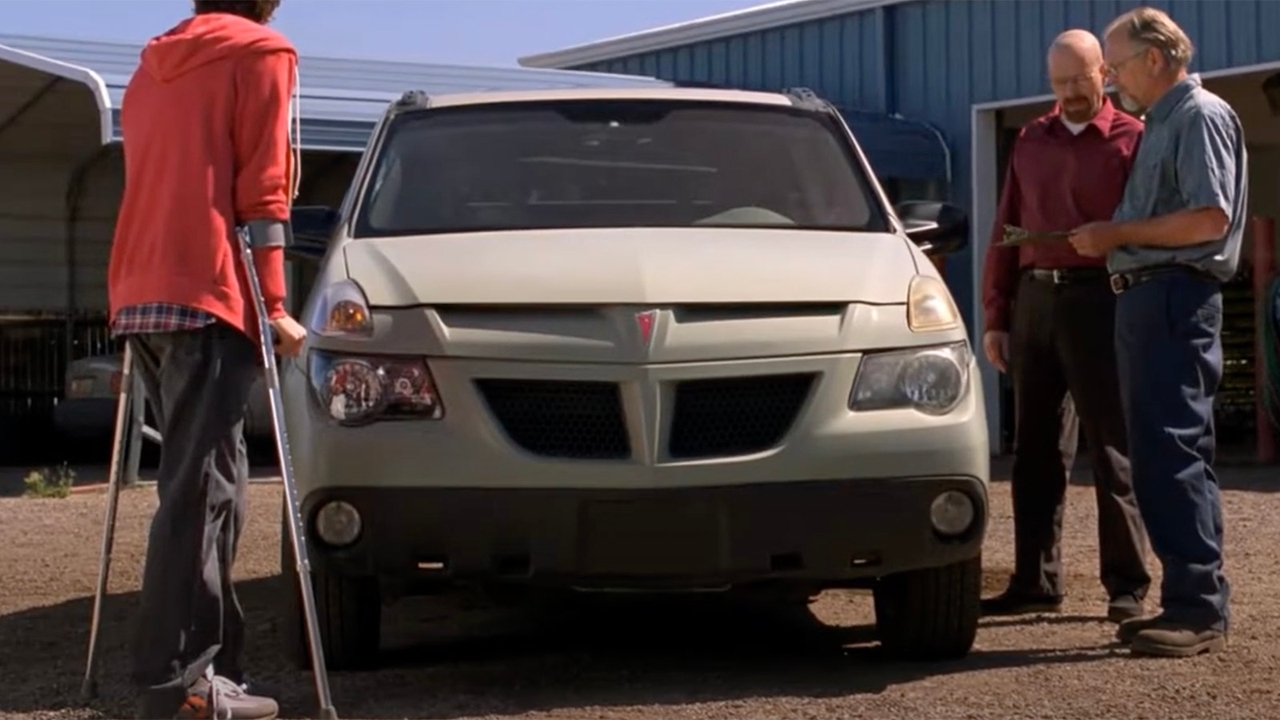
<point x="348" y="611"/>
<point x="930" y="614"/>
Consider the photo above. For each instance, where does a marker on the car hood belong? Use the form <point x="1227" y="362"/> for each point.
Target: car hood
<point x="632" y="266"/>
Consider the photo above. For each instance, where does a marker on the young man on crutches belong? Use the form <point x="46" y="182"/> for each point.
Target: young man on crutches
<point x="206" y="121"/>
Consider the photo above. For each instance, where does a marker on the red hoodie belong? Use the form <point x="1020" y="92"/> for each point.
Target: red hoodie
<point x="206" y="123"/>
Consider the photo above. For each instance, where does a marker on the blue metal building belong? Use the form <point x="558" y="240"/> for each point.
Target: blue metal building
<point x="972" y="69"/>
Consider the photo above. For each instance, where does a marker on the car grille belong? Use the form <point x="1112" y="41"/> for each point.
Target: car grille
<point x="735" y="416"/>
<point x="560" y="418"/>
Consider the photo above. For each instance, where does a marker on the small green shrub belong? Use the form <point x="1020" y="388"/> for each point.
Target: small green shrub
<point x="47" y="483"/>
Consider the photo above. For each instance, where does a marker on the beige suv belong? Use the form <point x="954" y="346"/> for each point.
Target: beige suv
<point x="641" y="340"/>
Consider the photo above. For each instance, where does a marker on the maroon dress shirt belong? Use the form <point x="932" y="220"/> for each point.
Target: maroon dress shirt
<point x="1056" y="180"/>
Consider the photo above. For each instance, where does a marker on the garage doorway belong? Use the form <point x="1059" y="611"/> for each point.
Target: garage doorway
<point x="994" y="125"/>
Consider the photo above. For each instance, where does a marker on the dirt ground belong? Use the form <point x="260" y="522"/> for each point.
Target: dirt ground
<point x="670" y="662"/>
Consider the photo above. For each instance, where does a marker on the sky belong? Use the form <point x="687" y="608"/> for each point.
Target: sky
<point x="470" y="32"/>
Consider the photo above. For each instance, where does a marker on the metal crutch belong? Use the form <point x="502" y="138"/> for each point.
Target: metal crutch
<point x="126" y="450"/>
<point x="285" y="457"/>
<point x="115" y="480"/>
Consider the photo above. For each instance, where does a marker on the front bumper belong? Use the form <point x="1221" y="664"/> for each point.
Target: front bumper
<point x="820" y="533"/>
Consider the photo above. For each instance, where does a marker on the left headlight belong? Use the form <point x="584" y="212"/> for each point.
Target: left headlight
<point x="930" y="379"/>
<point x="360" y="389"/>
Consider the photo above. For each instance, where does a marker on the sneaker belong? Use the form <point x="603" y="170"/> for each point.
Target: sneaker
<point x="256" y="687"/>
<point x="216" y="698"/>
<point x="1017" y="602"/>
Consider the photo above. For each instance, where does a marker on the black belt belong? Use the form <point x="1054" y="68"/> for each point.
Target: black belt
<point x="1069" y="276"/>
<point x="1122" y="281"/>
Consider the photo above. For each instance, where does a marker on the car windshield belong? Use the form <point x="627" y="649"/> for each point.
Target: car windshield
<point x="597" y="164"/>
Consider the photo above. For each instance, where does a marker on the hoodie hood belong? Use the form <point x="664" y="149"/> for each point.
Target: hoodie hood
<point x="214" y="37"/>
<point x="207" y="38"/>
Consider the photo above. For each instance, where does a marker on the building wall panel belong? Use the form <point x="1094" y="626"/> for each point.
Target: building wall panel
<point x="984" y="50"/>
<point x="843" y="56"/>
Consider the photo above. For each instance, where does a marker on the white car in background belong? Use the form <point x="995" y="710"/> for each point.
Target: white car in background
<point x="87" y="409"/>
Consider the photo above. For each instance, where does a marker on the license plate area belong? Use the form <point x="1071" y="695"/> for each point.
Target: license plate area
<point x="651" y="538"/>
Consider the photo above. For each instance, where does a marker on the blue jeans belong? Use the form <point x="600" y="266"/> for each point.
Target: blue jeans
<point x="1169" y="355"/>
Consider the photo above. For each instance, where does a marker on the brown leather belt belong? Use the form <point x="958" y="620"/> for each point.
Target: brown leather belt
<point x="1069" y="276"/>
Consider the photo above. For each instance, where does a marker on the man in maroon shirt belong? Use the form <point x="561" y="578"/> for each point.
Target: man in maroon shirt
<point x="1067" y="168"/>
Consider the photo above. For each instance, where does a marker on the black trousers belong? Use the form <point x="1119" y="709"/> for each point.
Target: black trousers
<point x="198" y="383"/>
<point x="1063" y="361"/>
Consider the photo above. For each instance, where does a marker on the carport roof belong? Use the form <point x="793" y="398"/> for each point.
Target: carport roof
<point x="341" y="98"/>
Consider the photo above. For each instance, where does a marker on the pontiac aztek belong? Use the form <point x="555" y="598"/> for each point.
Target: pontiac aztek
<point x="634" y="340"/>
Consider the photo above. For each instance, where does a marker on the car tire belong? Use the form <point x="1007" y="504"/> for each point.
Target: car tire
<point x="931" y="614"/>
<point x="348" y="611"/>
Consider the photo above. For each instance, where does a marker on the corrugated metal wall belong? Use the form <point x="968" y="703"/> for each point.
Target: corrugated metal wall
<point x="933" y="60"/>
<point x="99" y="204"/>
<point x="844" y="56"/>
<point x="42" y="148"/>
<point x="812" y="54"/>
<point x="33" y="276"/>
<point x="34" y="342"/>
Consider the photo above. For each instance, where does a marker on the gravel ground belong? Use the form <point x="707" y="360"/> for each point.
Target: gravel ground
<point x="656" y="662"/>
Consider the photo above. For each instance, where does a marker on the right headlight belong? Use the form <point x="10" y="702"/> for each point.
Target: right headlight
<point x="931" y="379"/>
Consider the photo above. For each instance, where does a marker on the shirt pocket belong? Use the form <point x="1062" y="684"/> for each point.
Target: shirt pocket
<point x="1165" y="190"/>
<point x="1144" y="180"/>
<point x="1147" y="164"/>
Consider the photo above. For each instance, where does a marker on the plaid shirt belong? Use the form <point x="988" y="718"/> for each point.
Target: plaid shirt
<point x="158" y="318"/>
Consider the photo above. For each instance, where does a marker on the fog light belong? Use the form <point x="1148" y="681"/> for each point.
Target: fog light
<point x="338" y="523"/>
<point x="951" y="513"/>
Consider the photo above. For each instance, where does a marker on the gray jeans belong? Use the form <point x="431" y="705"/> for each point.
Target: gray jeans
<point x="198" y="383"/>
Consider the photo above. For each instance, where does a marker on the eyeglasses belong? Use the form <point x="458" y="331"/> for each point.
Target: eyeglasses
<point x="1113" y="69"/>
<point x="1081" y="79"/>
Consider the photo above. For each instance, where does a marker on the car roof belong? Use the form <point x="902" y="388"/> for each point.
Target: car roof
<point x="698" y="94"/>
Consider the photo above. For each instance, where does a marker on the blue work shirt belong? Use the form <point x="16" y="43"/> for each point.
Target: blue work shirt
<point x="1192" y="156"/>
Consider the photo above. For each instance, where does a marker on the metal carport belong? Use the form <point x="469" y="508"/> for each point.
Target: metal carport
<point x="61" y="176"/>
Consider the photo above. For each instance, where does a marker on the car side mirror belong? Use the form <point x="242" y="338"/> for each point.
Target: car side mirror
<point x="937" y="228"/>
<point x="312" y="227"/>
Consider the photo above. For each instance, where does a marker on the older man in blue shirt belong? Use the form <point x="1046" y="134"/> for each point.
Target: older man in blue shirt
<point x="1173" y="240"/>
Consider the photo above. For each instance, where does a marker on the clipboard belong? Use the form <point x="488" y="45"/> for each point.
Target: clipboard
<point x="1015" y="236"/>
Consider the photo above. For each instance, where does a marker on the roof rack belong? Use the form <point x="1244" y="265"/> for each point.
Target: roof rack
<point x="413" y="99"/>
<point x="805" y="98"/>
